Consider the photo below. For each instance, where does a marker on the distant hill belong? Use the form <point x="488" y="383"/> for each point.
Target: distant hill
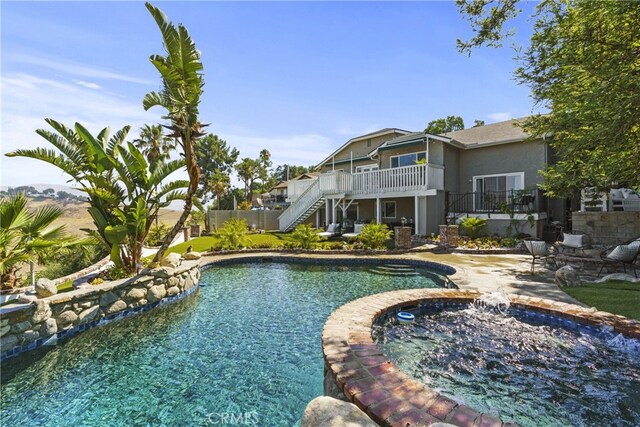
<point x="42" y="187"/>
<point x="76" y="216"/>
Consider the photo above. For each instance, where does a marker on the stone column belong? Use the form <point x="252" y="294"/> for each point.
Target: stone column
<point x="402" y="237"/>
<point x="449" y="235"/>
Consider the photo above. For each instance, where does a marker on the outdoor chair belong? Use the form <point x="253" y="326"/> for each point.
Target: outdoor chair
<point x="333" y="230"/>
<point x="573" y="242"/>
<point x="541" y="250"/>
<point x="625" y="254"/>
<point x="357" y="228"/>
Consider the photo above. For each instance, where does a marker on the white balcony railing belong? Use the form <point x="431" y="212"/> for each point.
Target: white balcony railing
<point x="375" y="183"/>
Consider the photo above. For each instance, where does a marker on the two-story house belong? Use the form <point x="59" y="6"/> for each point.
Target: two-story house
<point x="393" y="176"/>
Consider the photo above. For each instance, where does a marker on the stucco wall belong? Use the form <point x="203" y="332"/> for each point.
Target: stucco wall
<point x="527" y="157"/>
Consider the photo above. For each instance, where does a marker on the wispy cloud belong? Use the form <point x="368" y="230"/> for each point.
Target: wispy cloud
<point x="28" y="99"/>
<point x="76" y="69"/>
<point x="500" y="117"/>
<point x="87" y="84"/>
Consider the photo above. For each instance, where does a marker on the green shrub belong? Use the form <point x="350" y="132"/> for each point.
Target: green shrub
<point x="71" y="260"/>
<point x="157" y="234"/>
<point x="509" y="242"/>
<point x="233" y="234"/>
<point x="305" y="237"/>
<point x="374" y="236"/>
<point x="474" y="227"/>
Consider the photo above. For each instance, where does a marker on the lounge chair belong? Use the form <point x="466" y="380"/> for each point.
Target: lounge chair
<point x="625" y="254"/>
<point x="541" y="250"/>
<point x="357" y="228"/>
<point x="573" y="242"/>
<point x="333" y="230"/>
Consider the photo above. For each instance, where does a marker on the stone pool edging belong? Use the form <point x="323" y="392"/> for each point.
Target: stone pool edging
<point x="357" y="371"/>
<point x="26" y="327"/>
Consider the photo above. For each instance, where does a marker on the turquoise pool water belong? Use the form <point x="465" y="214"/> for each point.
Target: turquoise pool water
<point x="244" y="350"/>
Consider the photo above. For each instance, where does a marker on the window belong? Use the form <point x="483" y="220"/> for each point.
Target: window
<point x="388" y="209"/>
<point x="408" y="159"/>
<point x="367" y="168"/>
<point x="505" y="182"/>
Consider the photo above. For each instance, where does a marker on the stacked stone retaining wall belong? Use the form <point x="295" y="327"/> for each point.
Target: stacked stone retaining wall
<point x="607" y="228"/>
<point x="25" y="327"/>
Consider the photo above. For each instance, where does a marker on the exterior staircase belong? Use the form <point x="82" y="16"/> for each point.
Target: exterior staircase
<point x="394" y="270"/>
<point x="305" y="205"/>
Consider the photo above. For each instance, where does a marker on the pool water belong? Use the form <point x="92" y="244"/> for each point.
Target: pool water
<point x="244" y="350"/>
<point x="518" y="369"/>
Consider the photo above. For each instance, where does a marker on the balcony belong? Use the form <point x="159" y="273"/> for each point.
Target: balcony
<point x="495" y="202"/>
<point x="413" y="178"/>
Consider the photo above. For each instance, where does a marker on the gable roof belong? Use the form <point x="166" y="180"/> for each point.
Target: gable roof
<point x="410" y="139"/>
<point x="494" y="133"/>
<point x="360" y="138"/>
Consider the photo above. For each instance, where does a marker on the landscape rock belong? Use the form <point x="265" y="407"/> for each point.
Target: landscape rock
<point x="20" y="327"/>
<point x="326" y="411"/>
<point x="8" y="342"/>
<point x="115" y="307"/>
<point x="26" y="298"/>
<point x="29" y="336"/>
<point x="108" y="298"/>
<point x="192" y="255"/>
<point x="567" y="276"/>
<point x="88" y="315"/>
<point x="172" y="291"/>
<point x="623" y="277"/>
<point x="43" y="311"/>
<point x="65" y="319"/>
<point x="172" y="260"/>
<point x="4" y="330"/>
<point x="45" y="288"/>
<point x="49" y="327"/>
<point x="162" y="272"/>
<point x="156" y="293"/>
<point x="135" y="294"/>
<point x="173" y="281"/>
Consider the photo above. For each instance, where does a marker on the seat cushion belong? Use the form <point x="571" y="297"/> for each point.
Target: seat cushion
<point x="625" y="253"/>
<point x="572" y="240"/>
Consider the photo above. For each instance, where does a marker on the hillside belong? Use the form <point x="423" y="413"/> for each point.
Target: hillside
<point x="76" y="216"/>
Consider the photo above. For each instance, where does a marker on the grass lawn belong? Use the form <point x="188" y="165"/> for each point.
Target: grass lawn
<point x="621" y="298"/>
<point x="204" y="244"/>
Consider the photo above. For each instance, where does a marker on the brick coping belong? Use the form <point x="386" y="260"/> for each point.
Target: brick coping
<point x="390" y="397"/>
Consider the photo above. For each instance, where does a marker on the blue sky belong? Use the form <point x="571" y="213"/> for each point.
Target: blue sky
<point x="297" y="78"/>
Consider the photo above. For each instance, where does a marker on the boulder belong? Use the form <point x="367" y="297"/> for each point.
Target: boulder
<point x="108" y="298"/>
<point x="88" y="315"/>
<point x="156" y="293"/>
<point x="326" y="411"/>
<point x="135" y="294"/>
<point x="567" y="276"/>
<point x="43" y="312"/>
<point x="8" y="342"/>
<point x="45" y="288"/>
<point x="172" y="291"/>
<point x="4" y="330"/>
<point x="26" y="298"/>
<point x="20" y="327"/>
<point x="162" y="272"/>
<point x="49" y="327"/>
<point x="66" y="319"/>
<point x="29" y="336"/>
<point x="192" y="255"/>
<point x="115" y="307"/>
<point x="172" y="260"/>
<point x="173" y="281"/>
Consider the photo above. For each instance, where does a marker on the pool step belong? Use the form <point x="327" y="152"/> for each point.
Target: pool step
<point x="395" y="270"/>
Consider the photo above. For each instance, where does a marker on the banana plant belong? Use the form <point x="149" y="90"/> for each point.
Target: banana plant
<point x="125" y="192"/>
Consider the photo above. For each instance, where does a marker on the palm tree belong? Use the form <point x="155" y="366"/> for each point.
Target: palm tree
<point x="154" y="144"/>
<point x="26" y="236"/>
<point x="182" y="82"/>
<point x="125" y="192"/>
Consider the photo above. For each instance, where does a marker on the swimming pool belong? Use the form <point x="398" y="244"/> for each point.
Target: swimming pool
<point x="246" y="348"/>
